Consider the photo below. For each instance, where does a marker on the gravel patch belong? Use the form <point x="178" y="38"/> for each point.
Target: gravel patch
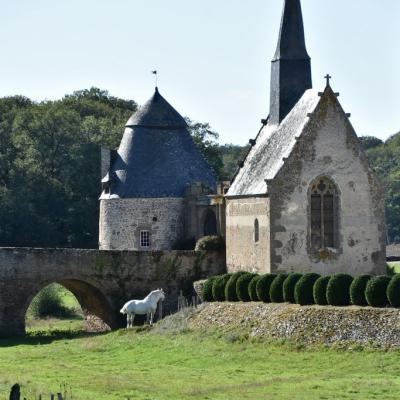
<point x="306" y="325"/>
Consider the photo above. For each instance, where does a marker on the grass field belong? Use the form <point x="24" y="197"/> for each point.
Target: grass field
<point x="146" y="365"/>
<point x="395" y="265"/>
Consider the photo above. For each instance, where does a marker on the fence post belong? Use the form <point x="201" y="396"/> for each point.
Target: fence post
<point x="15" y="393"/>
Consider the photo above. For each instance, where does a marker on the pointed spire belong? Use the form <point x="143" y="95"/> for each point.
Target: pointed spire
<point x="291" y="66"/>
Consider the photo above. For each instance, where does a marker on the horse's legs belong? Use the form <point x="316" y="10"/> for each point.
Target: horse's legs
<point x="128" y="320"/>
<point x="133" y="318"/>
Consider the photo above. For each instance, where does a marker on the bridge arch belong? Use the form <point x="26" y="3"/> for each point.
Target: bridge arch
<point x="96" y="307"/>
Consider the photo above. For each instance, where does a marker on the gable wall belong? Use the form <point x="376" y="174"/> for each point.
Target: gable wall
<point x="328" y="147"/>
<point x="243" y="254"/>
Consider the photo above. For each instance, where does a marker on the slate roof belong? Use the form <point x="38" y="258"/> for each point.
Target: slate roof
<point x="157" y="156"/>
<point x="273" y="144"/>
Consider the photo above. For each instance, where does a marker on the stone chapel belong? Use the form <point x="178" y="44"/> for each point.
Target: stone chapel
<point x="305" y="198"/>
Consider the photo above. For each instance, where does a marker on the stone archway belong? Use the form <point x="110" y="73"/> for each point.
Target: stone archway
<point x="98" y="312"/>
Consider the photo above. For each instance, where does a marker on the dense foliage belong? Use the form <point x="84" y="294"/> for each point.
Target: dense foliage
<point x="338" y="290"/>
<point x="319" y="290"/>
<point x="210" y="243"/>
<point x="207" y="290"/>
<point x="276" y="289"/>
<point x="357" y="290"/>
<point x="263" y="286"/>
<point x="230" y="288"/>
<point x="242" y="286"/>
<point x="375" y="291"/>
<point x="253" y="288"/>
<point x="288" y="287"/>
<point x="303" y="291"/>
<point x="393" y="291"/>
<point x="218" y="287"/>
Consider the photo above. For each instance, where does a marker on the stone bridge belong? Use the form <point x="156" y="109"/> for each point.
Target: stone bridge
<point x="101" y="280"/>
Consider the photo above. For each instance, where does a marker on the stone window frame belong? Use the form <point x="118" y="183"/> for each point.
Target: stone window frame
<point x="336" y="248"/>
<point x="256" y="231"/>
<point x="144" y="239"/>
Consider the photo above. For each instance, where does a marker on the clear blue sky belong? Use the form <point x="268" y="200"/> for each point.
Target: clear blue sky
<point x="213" y="56"/>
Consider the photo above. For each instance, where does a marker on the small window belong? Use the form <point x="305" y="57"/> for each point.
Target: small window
<point x="145" y="239"/>
<point x="256" y="231"/>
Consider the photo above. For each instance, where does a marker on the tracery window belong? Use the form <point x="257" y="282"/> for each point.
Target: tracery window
<point x="144" y="239"/>
<point x="256" y="231"/>
<point x="323" y="214"/>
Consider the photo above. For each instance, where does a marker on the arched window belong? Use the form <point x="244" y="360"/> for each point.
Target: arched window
<point x="324" y="203"/>
<point x="210" y="224"/>
<point x="256" y="231"/>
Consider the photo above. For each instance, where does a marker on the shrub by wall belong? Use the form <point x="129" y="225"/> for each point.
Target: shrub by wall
<point x="210" y="243"/>
<point x="230" y="287"/>
<point x="319" y="290"/>
<point x="393" y="291"/>
<point x="207" y="289"/>
<point x="218" y="287"/>
<point x="276" y="289"/>
<point x="242" y="286"/>
<point x="375" y="291"/>
<point x="338" y="290"/>
<point x="357" y="290"/>
<point x="263" y="286"/>
<point x="303" y="291"/>
<point x="253" y="288"/>
<point x="288" y="287"/>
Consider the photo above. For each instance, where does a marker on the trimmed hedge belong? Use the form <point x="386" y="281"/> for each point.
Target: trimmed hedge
<point x="288" y="287"/>
<point x="242" y="286"/>
<point x="338" y="290"/>
<point x="375" y="291"/>
<point x="253" y="288"/>
<point x="357" y="290"/>
<point x="263" y="286"/>
<point x="218" y="287"/>
<point x="276" y="288"/>
<point x="207" y="289"/>
<point x="319" y="290"/>
<point x="393" y="291"/>
<point x="230" y="287"/>
<point x="303" y="291"/>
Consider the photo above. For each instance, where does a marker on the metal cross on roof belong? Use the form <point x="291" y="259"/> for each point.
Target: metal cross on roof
<point x="328" y="78"/>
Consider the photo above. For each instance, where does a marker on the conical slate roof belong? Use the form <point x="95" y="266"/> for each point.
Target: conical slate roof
<point x="157" y="156"/>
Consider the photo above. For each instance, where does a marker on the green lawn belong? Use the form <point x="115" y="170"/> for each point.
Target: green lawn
<point x="146" y="365"/>
<point x="395" y="265"/>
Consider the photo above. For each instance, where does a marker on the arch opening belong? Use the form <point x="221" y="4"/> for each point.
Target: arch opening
<point x="210" y="224"/>
<point x="71" y="304"/>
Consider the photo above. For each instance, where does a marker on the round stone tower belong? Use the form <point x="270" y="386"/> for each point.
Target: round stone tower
<point x="142" y="206"/>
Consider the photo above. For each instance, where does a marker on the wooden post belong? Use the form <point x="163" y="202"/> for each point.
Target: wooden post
<point x="15" y="393"/>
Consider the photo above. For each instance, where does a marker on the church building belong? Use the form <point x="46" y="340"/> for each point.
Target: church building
<point x="305" y="198"/>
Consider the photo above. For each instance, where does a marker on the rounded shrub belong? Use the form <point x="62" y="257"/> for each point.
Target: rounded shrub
<point x="276" y="289"/>
<point x="288" y="287"/>
<point x="207" y="289"/>
<point x="262" y="287"/>
<point x="375" y="292"/>
<point x="210" y="243"/>
<point x="218" y="287"/>
<point x="303" y="291"/>
<point x="393" y="291"/>
<point x="338" y="290"/>
<point x="357" y="290"/>
<point x="319" y="290"/>
<point x="242" y="286"/>
<point x="253" y="288"/>
<point x="230" y="287"/>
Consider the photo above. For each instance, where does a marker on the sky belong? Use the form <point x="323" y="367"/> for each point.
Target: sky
<point x="213" y="56"/>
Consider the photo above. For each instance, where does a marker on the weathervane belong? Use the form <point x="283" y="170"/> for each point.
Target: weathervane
<point x="156" y="76"/>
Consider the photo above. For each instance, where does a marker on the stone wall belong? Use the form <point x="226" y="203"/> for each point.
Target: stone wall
<point x="121" y="221"/>
<point x="102" y="281"/>
<point x="329" y="147"/>
<point x="243" y="253"/>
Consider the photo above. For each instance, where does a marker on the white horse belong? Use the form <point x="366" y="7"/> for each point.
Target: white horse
<point x="147" y="306"/>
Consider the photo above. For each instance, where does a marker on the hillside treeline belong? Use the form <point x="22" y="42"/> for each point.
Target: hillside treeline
<point x="50" y="166"/>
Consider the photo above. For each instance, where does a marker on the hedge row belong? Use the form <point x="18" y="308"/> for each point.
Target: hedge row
<point x="311" y="288"/>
